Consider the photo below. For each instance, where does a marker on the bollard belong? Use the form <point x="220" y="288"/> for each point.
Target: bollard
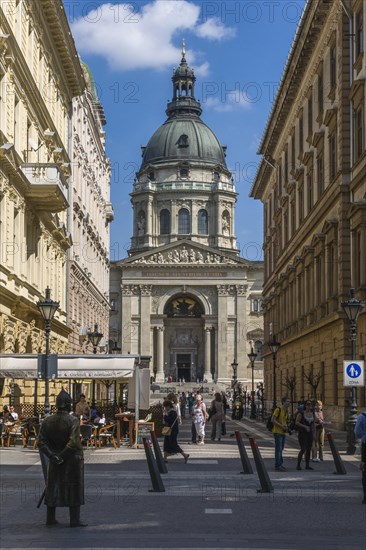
<point x="266" y="485"/>
<point x="340" y="468"/>
<point x="157" y="483"/>
<point x="247" y="467"/>
<point x="158" y="455"/>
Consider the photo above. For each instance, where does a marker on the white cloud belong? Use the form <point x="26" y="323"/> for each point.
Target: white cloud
<point x="214" y="29"/>
<point x="228" y="101"/>
<point x="130" y="39"/>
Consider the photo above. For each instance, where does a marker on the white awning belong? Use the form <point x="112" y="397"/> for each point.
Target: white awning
<point x="71" y="366"/>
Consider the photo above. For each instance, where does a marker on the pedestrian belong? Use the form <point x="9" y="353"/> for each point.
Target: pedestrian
<point x="59" y="440"/>
<point x="360" y="433"/>
<point x="305" y="422"/>
<point x="183" y="403"/>
<point x="318" y="443"/>
<point x="171" y="446"/>
<point x="174" y="399"/>
<point x="224" y="402"/>
<point x="199" y="415"/>
<point x="217" y="416"/>
<point x="190" y="401"/>
<point x="279" y="419"/>
<point x="82" y="408"/>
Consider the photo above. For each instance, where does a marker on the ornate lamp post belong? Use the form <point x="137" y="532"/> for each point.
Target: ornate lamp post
<point x="94" y="338"/>
<point x="234" y="366"/>
<point x="274" y="347"/>
<point x="48" y="309"/>
<point x="352" y="308"/>
<point x="252" y="357"/>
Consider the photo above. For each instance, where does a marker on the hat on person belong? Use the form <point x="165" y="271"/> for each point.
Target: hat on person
<point x="63" y="400"/>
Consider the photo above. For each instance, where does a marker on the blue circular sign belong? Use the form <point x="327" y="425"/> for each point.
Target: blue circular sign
<point x="353" y="370"/>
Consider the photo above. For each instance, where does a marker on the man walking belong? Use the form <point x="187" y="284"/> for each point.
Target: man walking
<point x="279" y="419"/>
<point x="59" y="440"/>
<point x="360" y="433"/>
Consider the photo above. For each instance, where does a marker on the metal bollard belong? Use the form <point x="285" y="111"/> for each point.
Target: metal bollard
<point x="266" y="485"/>
<point x="340" y="468"/>
<point x="157" y="483"/>
<point x="247" y="467"/>
<point x="158" y="455"/>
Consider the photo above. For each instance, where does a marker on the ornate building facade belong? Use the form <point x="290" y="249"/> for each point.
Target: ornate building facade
<point x="92" y="213"/>
<point x="312" y="185"/>
<point x="52" y="165"/>
<point x="184" y="296"/>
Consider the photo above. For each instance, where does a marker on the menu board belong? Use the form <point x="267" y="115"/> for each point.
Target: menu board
<point x="143" y="430"/>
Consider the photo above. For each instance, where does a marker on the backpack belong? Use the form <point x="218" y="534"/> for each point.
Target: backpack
<point x="270" y="424"/>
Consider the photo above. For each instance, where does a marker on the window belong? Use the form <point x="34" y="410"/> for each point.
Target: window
<point x="164" y="222"/>
<point x="113" y="304"/>
<point x="301" y="134"/>
<point x="202" y="219"/>
<point x="310" y="190"/>
<point x="300" y="197"/>
<point x="293" y="152"/>
<point x="286" y="165"/>
<point x="216" y="176"/>
<point x="255" y="306"/>
<point x="359" y="33"/>
<point x="182" y="141"/>
<point x="151" y="176"/>
<point x="320" y="93"/>
<point x="310" y="115"/>
<point x="184" y="221"/>
<point x="320" y="169"/>
<point x="359" y="133"/>
<point x="333" y="156"/>
<point x="333" y="66"/>
<point x="358" y="260"/>
<point x="293" y="217"/>
<point x="183" y="172"/>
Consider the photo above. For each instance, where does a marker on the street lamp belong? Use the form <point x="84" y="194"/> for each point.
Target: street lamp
<point x="252" y="357"/>
<point x="94" y="338"/>
<point x="352" y="309"/>
<point x="48" y="309"/>
<point x="116" y="349"/>
<point x="274" y="347"/>
<point x="234" y="366"/>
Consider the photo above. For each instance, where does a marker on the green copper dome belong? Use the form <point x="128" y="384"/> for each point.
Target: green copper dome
<point x="184" y="138"/>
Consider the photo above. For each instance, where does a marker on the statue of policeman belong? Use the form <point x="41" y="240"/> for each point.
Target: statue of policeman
<point x="59" y="440"/>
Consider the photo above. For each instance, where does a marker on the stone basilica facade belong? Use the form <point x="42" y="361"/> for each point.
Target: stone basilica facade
<point x="184" y="296"/>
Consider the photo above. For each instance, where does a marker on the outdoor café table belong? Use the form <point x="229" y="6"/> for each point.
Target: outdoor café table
<point x="125" y="417"/>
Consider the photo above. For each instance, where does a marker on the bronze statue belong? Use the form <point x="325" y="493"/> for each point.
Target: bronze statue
<point x="59" y="440"/>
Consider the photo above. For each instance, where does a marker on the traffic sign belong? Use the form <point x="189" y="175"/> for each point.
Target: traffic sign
<point x="353" y="373"/>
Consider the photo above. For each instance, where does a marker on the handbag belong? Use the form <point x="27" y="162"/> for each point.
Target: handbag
<point x="167" y="430"/>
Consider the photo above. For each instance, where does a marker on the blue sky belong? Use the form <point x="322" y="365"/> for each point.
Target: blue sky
<point x="238" y="51"/>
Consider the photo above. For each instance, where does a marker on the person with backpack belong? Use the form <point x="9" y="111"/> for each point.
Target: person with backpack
<point x="305" y="423"/>
<point x="360" y="433"/>
<point x="279" y="421"/>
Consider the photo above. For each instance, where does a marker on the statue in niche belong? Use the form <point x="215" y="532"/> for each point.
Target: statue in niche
<point x="225" y="224"/>
<point x="141" y="224"/>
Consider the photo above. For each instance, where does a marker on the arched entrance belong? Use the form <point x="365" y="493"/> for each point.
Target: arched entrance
<point x="183" y="330"/>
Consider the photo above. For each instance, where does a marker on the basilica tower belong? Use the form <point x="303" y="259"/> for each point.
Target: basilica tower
<point x="183" y="296"/>
<point x="183" y="188"/>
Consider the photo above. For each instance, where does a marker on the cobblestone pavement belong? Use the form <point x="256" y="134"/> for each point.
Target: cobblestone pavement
<point x="207" y="503"/>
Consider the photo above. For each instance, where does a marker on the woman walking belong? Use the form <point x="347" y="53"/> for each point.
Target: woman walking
<point x="305" y="423"/>
<point x="171" y="446"/>
<point x="318" y="444"/>
<point x="199" y="419"/>
<point x="217" y="415"/>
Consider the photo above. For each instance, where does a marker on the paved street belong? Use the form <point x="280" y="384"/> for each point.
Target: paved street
<point x="207" y="503"/>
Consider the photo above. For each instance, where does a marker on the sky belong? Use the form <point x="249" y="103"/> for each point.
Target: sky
<point x="238" y="50"/>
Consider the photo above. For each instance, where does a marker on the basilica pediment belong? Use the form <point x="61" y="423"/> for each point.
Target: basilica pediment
<point x="183" y="254"/>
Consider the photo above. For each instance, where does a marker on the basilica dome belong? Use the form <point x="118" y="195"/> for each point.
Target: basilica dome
<point x="184" y="138"/>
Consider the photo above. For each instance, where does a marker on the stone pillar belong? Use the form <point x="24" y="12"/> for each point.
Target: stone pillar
<point x="208" y="375"/>
<point x="145" y="312"/>
<point x="221" y="341"/>
<point x="160" y="355"/>
<point x="240" y="353"/>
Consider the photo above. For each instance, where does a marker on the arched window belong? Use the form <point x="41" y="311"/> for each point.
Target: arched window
<point x="164" y="222"/>
<point x="184" y="222"/>
<point x="258" y="349"/>
<point x="202" y="219"/>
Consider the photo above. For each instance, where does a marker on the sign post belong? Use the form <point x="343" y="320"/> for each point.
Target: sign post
<point x="354" y="374"/>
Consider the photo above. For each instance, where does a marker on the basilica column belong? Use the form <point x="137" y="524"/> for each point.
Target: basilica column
<point x="240" y="353"/>
<point x="145" y="312"/>
<point x="221" y="343"/>
<point x="208" y="374"/>
<point x="160" y="355"/>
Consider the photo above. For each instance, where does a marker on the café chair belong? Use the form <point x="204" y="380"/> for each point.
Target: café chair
<point x="15" y="432"/>
<point x="107" y="435"/>
<point x="88" y="435"/>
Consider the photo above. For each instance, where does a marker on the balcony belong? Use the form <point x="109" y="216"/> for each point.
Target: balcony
<point x="47" y="188"/>
<point x="109" y="213"/>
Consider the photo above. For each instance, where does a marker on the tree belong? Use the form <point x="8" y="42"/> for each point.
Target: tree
<point x="290" y="384"/>
<point x="313" y="379"/>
